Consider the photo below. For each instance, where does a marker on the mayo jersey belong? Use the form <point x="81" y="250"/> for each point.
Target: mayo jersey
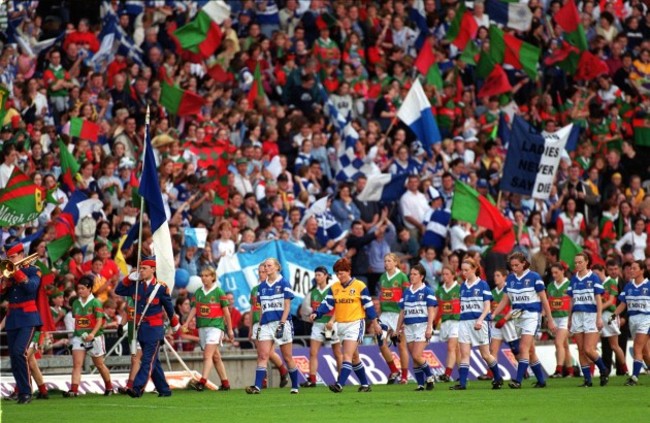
<point x="316" y="296"/>
<point x="472" y="299"/>
<point x="449" y="301"/>
<point x="583" y="292"/>
<point x="256" y="311"/>
<point x="497" y="295"/>
<point x="610" y="286"/>
<point x="636" y="298"/>
<point x="392" y="289"/>
<point x="523" y="292"/>
<point x="558" y="299"/>
<point x="416" y="304"/>
<point x="86" y="315"/>
<point x="271" y="298"/>
<point x="209" y="307"/>
<point x="350" y="301"/>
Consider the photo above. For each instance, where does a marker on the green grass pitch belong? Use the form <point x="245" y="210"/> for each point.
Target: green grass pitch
<point x="561" y="401"/>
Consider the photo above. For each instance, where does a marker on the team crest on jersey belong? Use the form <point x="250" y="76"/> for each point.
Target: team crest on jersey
<point x="395" y="284"/>
<point x="212" y="300"/>
<point x="645" y="291"/>
<point x="477" y="292"/>
<point x="526" y="282"/>
<point x="588" y="283"/>
<point x="420" y="297"/>
<point x="353" y="291"/>
<point x="277" y="289"/>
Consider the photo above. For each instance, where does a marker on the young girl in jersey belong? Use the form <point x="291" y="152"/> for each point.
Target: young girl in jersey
<point x="210" y="306"/>
<point x="585" y="317"/>
<point x="392" y="285"/>
<point x="128" y="315"/>
<point x="560" y="304"/>
<point x="274" y="296"/>
<point x="475" y="299"/>
<point x="527" y="296"/>
<point x="88" y="336"/>
<point x="448" y="295"/>
<point x="635" y="298"/>
<point x="418" y="309"/>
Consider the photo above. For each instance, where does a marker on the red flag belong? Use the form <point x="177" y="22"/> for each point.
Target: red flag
<point x="219" y="74"/>
<point x="425" y="58"/>
<point x="561" y="53"/>
<point x="496" y="83"/>
<point x="590" y="67"/>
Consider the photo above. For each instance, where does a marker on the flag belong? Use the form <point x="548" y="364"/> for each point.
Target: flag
<point x="219" y="74"/>
<point x="150" y="192"/>
<point x="485" y="64"/>
<point x="503" y="130"/>
<point x="416" y="112"/>
<point x="21" y="200"/>
<point x="561" y="53"/>
<point x="568" y="251"/>
<point x="4" y="94"/>
<point x="470" y="54"/>
<point x="122" y="43"/>
<point x="641" y="128"/>
<point x="203" y="34"/>
<point x="316" y="208"/>
<point x="257" y="89"/>
<point x="120" y="261"/>
<point x="532" y="159"/>
<point x="436" y="223"/>
<point x="84" y="129"/>
<point x="384" y="187"/>
<point x="463" y="28"/>
<point x="496" y="83"/>
<point x="69" y="166"/>
<point x="590" y="67"/>
<point x="425" y="58"/>
<point x="513" y="15"/>
<point x="568" y="19"/>
<point x="180" y="102"/>
<point x="469" y="206"/>
<point x="508" y="49"/>
<point x="42" y="298"/>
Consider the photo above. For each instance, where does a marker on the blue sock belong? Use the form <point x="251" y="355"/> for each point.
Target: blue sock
<point x="637" y="365"/>
<point x="293" y="374"/>
<point x="463" y="371"/>
<point x="419" y="376"/>
<point x="514" y="346"/>
<point x="601" y="366"/>
<point x="346" y="369"/>
<point x="260" y="374"/>
<point x="586" y="372"/>
<point x="426" y="370"/>
<point x="494" y="366"/>
<point x="539" y="372"/>
<point x="522" y="367"/>
<point x="360" y="371"/>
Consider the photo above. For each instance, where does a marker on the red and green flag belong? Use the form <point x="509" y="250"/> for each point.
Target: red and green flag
<point x="470" y="206"/>
<point x="69" y="166"/>
<point x="257" y="89"/>
<point x="426" y="64"/>
<point x="21" y="200"/>
<point x="568" y="19"/>
<point x="508" y="49"/>
<point x="4" y="94"/>
<point x="463" y="28"/>
<point x="590" y="67"/>
<point x="85" y="129"/>
<point x="219" y="74"/>
<point x="568" y="251"/>
<point x="42" y="298"/>
<point x="641" y="128"/>
<point x="203" y="35"/>
<point x="470" y="54"/>
<point x="180" y="102"/>
<point x="496" y="83"/>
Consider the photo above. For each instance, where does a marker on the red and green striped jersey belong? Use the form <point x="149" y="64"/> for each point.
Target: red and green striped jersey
<point x="316" y="297"/>
<point x="558" y="299"/>
<point x="611" y="290"/>
<point x="449" y="302"/>
<point x="209" y="307"/>
<point x="497" y="295"/>
<point x="391" y="290"/>
<point x="86" y="315"/>
<point x="256" y="309"/>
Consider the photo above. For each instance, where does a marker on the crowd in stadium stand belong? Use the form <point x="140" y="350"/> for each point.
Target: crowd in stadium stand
<point x="261" y="146"/>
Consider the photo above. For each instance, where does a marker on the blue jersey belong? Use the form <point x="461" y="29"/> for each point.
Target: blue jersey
<point x="473" y="298"/>
<point x="21" y="290"/>
<point x="636" y="298"/>
<point x="416" y="304"/>
<point x="583" y="292"/>
<point x="270" y="297"/>
<point x="523" y="292"/>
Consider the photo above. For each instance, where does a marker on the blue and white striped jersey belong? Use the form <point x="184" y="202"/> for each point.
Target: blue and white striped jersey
<point x="636" y="298"/>
<point x="472" y="299"/>
<point x="416" y="304"/>
<point x="523" y="292"/>
<point x="271" y="296"/>
<point x="583" y="292"/>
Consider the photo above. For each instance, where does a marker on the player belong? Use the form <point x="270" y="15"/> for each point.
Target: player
<point x="274" y="296"/>
<point x="351" y="302"/>
<point x="560" y="304"/>
<point x="392" y="284"/>
<point x="418" y="309"/>
<point x="210" y="306"/>
<point x="473" y="329"/>
<point x="527" y="296"/>
<point x="88" y="337"/>
<point x="585" y="317"/>
<point x="635" y="298"/>
<point x="448" y="295"/>
<point x="323" y="330"/>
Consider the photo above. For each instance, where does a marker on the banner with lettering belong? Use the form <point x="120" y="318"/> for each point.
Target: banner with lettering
<point x="238" y="273"/>
<point x="533" y="159"/>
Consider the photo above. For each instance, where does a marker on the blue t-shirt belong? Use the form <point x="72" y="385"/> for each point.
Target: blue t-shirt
<point x="416" y="304"/>
<point x="472" y="299"/>
<point x="583" y="292"/>
<point x="636" y="298"/>
<point x="523" y="292"/>
<point x="271" y="298"/>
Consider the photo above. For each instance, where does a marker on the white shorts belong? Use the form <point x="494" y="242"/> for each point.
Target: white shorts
<point x="415" y="332"/>
<point x="468" y="335"/>
<point x="613" y="329"/>
<point x="98" y="349"/>
<point x="210" y="336"/>
<point x="448" y="329"/>
<point x="254" y="329"/>
<point x="528" y="323"/>
<point x="318" y="333"/>
<point x="390" y="319"/>
<point x="507" y="332"/>
<point x="561" y="322"/>
<point x="267" y="333"/>
<point x="640" y="323"/>
<point x="583" y="322"/>
<point x="351" y="331"/>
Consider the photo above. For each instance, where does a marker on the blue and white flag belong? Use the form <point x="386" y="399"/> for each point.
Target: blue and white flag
<point x="122" y="42"/>
<point x="150" y="192"/>
<point x="384" y="187"/>
<point x="329" y="229"/>
<point x="513" y="15"/>
<point x="417" y="114"/>
<point x="238" y="273"/>
<point x="436" y="223"/>
<point x="532" y="159"/>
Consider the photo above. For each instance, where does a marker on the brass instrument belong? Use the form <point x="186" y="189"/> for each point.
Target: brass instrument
<point x="8" y="268"/>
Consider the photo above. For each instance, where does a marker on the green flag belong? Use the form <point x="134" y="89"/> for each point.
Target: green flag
<point x="568" y="251"/>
